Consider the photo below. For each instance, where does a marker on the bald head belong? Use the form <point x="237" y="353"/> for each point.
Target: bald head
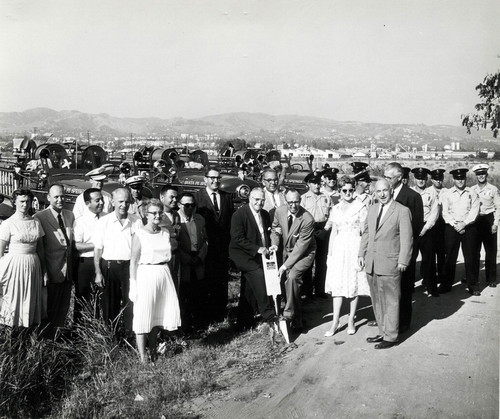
<point x="383" y="191"/>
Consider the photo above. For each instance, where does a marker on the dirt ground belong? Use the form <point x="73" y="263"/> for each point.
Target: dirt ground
<point x="446" y="366"/>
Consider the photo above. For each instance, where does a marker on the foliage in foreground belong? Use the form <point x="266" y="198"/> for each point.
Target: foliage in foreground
<point x="96" y="376"/>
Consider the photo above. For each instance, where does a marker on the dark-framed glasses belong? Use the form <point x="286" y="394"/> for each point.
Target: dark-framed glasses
<point x="293" y="203"/>
<point x="188" y="205"/>
<point x="156" y="213"/>
<point x="271" y="180"/>
<point x="213" y="178"/>
<point x="347" y="190"/>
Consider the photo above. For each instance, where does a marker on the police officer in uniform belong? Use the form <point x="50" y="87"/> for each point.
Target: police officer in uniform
<point x="460" y="210"/>
<point x="318" y="205"/>
<point x="425" y="241"/>
<point x="437" y="177"/>
<point x="363" y="183"/>
<point x="135" y="184"/>
<point x="487" y="222"/>
<point x="329" y="183"/>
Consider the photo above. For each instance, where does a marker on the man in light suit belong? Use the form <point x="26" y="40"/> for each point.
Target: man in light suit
<point x="250" y="228"/>
<point x="295" y="226"/>
<point x="385" y="252"/>
<point x="394" y="174"/>
<point x="58" y="242"/>
<point x="192" y="242"/>
<point x="216" y="207"/>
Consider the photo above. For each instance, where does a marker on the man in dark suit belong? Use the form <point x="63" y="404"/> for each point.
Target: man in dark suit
<point x="58" y="242"/>
<point x="385" y="252"/>
<point x="193" y="247"/>
<point x="295" y="226"/>
<point x="250" y="229"/>
<point x="394" y="173"/>
<point x="216" y="207"/>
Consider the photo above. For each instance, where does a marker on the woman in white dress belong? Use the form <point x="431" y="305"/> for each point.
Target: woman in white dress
<point x="151" y="287"/>
<point x="343" y="277"/>
<point x="21" y="276"/>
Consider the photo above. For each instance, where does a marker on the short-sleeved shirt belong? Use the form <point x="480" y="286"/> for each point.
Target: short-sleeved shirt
<point x="115" y="239"/>
<point x="489" y="198"/>
<point x="459" y="205"/>
<point x="318" y="205"/>
<point x="430" y="199"/>
<point x="83" y="229"/>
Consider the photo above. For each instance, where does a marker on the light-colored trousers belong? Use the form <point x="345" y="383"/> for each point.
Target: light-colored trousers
<point x="386" y="294"/>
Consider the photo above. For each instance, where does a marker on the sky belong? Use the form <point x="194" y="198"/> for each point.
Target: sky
<point x="387" y="61"/>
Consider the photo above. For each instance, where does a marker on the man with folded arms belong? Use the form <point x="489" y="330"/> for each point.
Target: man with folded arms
<point x="385" y="252"/>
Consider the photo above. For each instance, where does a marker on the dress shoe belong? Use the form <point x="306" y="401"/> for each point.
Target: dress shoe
<point x="474" y="292"/>
<point x="385" y="345"/>
<point x="330" y="332"/>
<point x="372" y="323"/>
<point x="444" y="289"/>
<point x="375" y="339"/>
<point x="492" y="284"/>
<point x="351" y="331"/>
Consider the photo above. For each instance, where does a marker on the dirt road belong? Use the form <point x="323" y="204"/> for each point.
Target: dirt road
<point x="446" y="366"/>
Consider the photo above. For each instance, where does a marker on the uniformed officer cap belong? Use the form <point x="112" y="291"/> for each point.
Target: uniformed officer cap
<point x="363" y="177"/>
<point x="437" y="174"/>
<point x="358" y="166"/>
<point x="480" y="169"/>
<point x="421" y="173"/>
<point x="459" y="173"/>
<point x="330" y="173"/>
<point x="135" y="181"/>
<point x="97" y="174"/>
<point x="406" y="173"/>
<point x="313" y="178"/>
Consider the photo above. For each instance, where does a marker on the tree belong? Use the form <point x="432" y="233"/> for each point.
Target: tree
<point x="489" y="108"/>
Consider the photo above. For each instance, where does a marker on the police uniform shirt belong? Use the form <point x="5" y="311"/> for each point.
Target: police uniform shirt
<point x="83" y="229"/>
<point x="318" y="205"/>
<point x="460" y="206"/>
<point x="489" y="197"/>
<point x="430" y="199"/>
<point x="365" y="198"/>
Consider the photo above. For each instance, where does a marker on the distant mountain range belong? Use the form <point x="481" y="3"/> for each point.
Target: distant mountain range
<point x="242" y="124"/>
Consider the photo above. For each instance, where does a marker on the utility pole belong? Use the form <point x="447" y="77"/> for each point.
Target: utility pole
<point x="88" y="138"/>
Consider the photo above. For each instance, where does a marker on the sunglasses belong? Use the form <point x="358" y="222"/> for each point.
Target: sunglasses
<point x="271" y="180"/>
<point x="347" y="190"/>
<point x="213" y="178"/>
<point x="188" y="205"/>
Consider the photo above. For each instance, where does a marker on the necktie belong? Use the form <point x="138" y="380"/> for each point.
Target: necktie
<point x="274" y="200"/>
<point x="63" y="229"/>
<point x="379" y="215"/>
<point x="290" y="221"/>
<point x="216" y="205"/>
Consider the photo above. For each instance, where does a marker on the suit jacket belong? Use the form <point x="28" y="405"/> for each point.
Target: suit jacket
<point x="169" y="225"/>
<point x="246" y="239"/>
<point x="58" y="256"/>
<point x="389" y="245"/>
<point x="184" y="241"/>
<point x="413" y="201"/>
<point x="299" y="242"/>
<point x="217" y="226"/>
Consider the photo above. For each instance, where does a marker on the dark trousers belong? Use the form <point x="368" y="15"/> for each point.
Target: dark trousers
<point x="58" y="301"/>
<point x="255" y="282"/>
<point x="407" y="287"/>
<point x="426" y="246"/>
<point x="318" y="283"/>
<point x="439" y="248"/>
<point x="217" y="278"/>
<point x="489" y="241"/>
<point x="114" y="297"/>
<point x="468" y="240"/>
<point x="192" y="301"/>
<point x="85" y="291"/>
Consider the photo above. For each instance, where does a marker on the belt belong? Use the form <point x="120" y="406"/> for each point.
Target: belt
<point x="153" y="264"/>
<point x="118" y="262"/>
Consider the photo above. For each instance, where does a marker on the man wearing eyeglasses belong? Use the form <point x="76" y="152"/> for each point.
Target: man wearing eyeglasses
<point x="295" y="227"/>
<point x="217" y="208"/>
<point x="318" y="204"/>
<point x="274" y="198"/>
<point x="193" y="247"/>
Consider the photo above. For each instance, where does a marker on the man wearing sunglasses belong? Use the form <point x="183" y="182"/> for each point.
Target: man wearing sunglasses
<point x="193" y="247"/>
<point x="217" y="208"/>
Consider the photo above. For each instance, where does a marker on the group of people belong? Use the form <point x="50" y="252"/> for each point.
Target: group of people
<point x="162" y="263"/>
